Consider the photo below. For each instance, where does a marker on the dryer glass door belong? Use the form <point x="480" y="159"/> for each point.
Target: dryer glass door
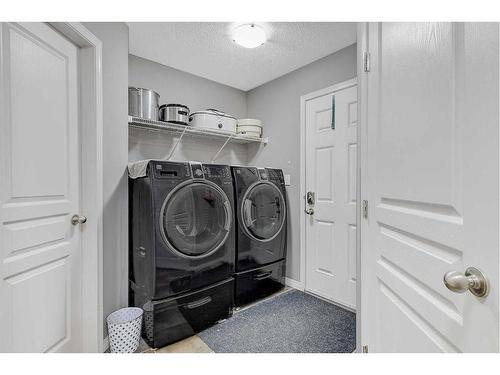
<point x="263" y="211"/>
<point x="196" y="219"/>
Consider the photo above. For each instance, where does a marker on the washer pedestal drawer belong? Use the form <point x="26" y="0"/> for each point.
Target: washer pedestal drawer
<point x="173" y="319"/>
<point x="259" y="283"/>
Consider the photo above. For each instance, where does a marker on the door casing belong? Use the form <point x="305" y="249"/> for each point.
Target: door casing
<point x="362" y="47"/>
<point x="91" y="135"/>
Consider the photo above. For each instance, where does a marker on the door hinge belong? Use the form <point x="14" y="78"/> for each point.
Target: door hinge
<point x="366" y="62"/>
<point x="365" y="209"/>
<point x="365" y="348"/>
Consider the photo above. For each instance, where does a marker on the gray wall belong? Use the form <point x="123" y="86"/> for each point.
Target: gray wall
<point x="114" y="37"/>
<point x="277" y="104"/>
<point x="175" y="86"/>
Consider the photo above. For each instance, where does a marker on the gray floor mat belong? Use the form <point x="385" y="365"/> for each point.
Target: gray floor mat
<point x="292" y="322"/>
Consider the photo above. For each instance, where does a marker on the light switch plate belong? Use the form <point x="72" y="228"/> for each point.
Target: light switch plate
<point x="287" y="180"/>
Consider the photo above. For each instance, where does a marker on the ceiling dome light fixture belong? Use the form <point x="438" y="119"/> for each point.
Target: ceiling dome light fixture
<point x="249" y="35"/>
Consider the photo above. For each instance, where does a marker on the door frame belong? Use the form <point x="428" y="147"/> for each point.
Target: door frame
<point x="301" y="285"/>
<point x="362" y="48"/>
<point x="91" y="193"/>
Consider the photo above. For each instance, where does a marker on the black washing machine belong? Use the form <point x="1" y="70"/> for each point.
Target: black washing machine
<point x="182" y="247"/>
<point x="261" y="214"/>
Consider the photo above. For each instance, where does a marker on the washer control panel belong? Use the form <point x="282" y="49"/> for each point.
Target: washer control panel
<point x="168" y="170"/>
<point x="197" y="170"/>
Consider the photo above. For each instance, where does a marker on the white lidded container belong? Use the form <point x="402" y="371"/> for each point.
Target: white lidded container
<point x="249" y="121"/>
<point x="250" y="133"/>
<point x="213" y="119"/>
<point x="249" y="127"/>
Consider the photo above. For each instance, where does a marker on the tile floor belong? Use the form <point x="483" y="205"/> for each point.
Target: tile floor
<point x="192" y="344"/>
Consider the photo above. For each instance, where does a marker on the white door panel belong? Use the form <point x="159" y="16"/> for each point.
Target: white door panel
<point x="331" y="125"/>
<point x="432" y="186"/>
<point x="39" y="191"/>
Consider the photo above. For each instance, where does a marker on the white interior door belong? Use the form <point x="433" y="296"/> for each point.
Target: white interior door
<point x="40" y="269"/>
<point x="331" y="126"/>
<point x="433" y="170"/>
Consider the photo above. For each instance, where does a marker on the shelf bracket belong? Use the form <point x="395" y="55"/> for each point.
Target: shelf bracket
<point x="222" y="148"/>
<point x="174" y="147"/>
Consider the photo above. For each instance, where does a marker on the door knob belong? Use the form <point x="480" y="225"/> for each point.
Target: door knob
<point x="310" y="211"/>
<point x="473" y="280"/>
<point x="78" y="219"/>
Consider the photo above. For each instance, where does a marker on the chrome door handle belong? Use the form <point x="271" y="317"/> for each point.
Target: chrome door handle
<point x="78" y="219"/>
<point x="310" y="211"/>
<point x="473" y="280"/>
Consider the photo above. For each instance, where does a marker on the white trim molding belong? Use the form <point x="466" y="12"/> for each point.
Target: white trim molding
<point x="326" y="299"/>
<point x="362" y="47"/>
<point x="106" y="345"/>
<point x="294" y="284"/>
<point x="91" y="133"/>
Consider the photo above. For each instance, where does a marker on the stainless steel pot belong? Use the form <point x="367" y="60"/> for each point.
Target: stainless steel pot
<point x="143" y="103"/>
<point x="176" y="113"/>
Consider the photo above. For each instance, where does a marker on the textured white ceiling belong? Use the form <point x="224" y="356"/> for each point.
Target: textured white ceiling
<point x="207" y="50"/>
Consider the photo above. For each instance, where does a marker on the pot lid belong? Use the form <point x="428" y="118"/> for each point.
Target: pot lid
<point x="142" y="89"/>
<point x="213" y="113"/>
<point x="174" y="105"/>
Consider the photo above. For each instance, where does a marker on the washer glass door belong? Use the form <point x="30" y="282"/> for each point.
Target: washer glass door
<point x="196" y="219"/>
<point x="263" y="211"/>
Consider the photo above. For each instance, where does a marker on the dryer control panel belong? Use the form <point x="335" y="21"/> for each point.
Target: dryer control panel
<point x="217" y="171"/>
<point x="263" y="174"/>
<point x="273" y="174"/>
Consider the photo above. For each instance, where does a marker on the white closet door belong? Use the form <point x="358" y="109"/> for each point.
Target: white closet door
<point x="433" y="192"/>
<point x="40" y="269"/>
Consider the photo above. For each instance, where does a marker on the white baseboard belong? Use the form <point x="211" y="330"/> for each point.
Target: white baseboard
<point x="344" y="305"/>
<point x="105" y="344"/>
<point x="294" y="284"/>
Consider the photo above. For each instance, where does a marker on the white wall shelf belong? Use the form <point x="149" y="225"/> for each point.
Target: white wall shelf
<point x="168" y="127"/>
<point x="182" y="130"/>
